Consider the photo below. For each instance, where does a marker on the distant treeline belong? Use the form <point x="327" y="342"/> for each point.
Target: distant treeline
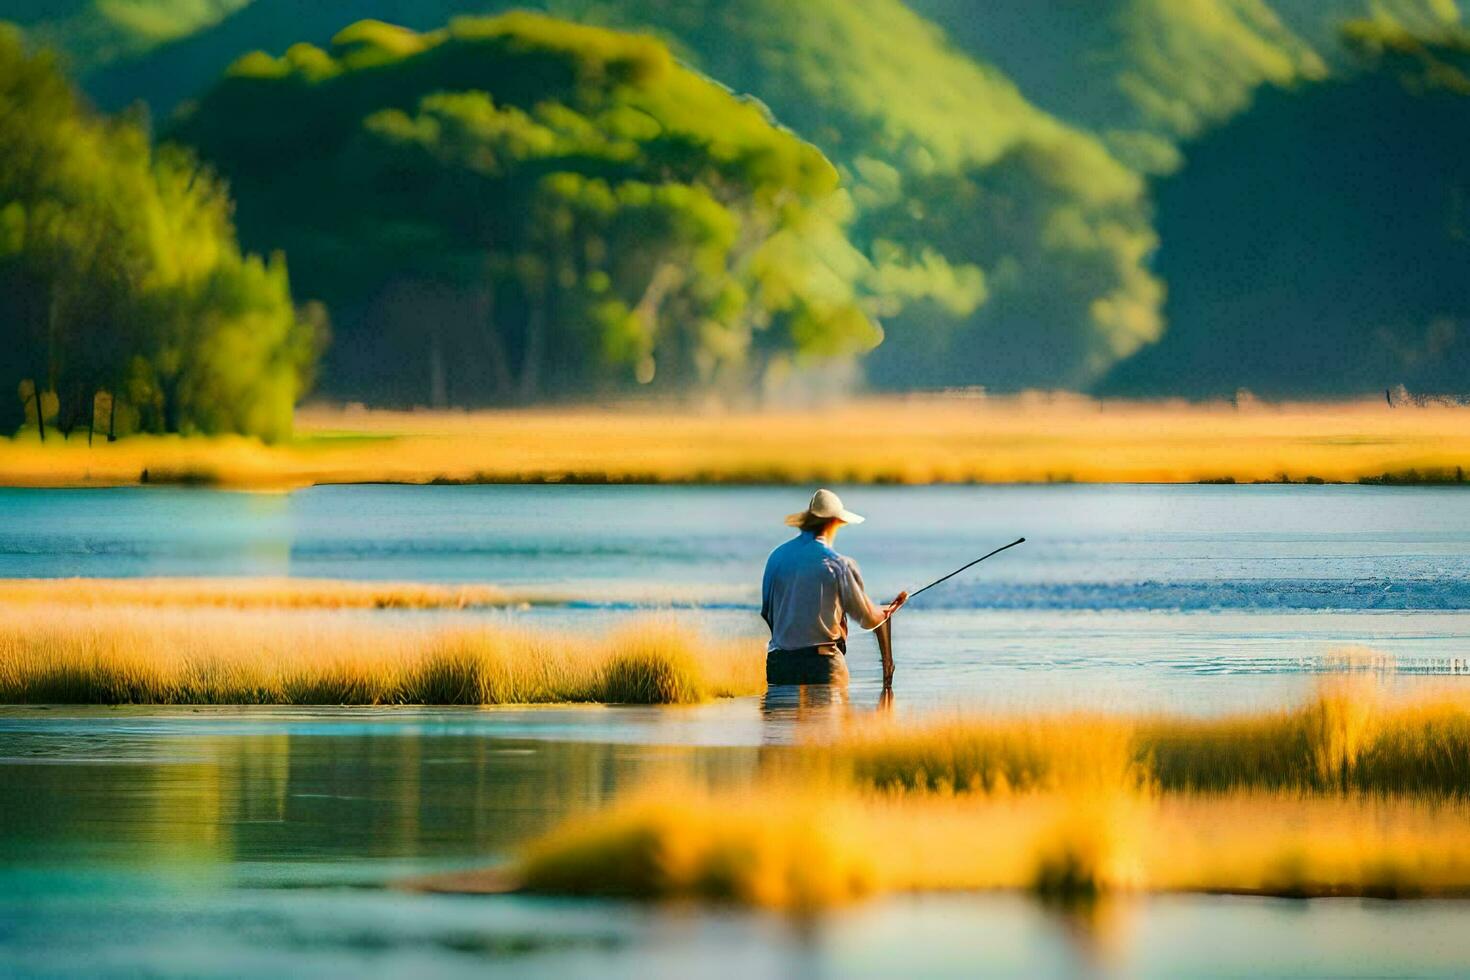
<point x="1137" y="196"/>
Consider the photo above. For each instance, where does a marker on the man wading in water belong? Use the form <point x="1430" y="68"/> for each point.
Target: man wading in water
<point x="807" y="594"/>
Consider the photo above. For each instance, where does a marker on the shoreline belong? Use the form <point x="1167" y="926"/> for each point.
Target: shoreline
<point x="910" y="441"/>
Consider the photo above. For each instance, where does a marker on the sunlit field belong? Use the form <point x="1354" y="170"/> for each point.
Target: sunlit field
<point x="928" y="439"/>
<point x="67" y="654"/>
<point x="1353" y="792"/>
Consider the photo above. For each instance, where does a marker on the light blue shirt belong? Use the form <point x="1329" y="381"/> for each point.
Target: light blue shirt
<point x="807" y="593"/>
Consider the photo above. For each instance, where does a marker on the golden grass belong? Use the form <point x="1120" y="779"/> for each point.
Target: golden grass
<point x="932" y="439"/>
<point x="768" y="848"/>
<point x="1307" y="844"/>
<point x="70" y="655"/>
<point x="783" y="844"/>
<point x="1353" y="793"/>
<point x="261" y="593"/>
<point x="1350" y="736"/>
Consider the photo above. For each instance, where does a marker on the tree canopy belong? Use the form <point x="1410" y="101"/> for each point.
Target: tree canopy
<point x="515" y="207"/>
<point x="120" y="275"/>
<point x="1008" y="248"/>
<point x="899" y="110"/>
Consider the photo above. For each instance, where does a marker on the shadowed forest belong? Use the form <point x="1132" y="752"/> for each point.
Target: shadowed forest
<point x="210" y="209"/>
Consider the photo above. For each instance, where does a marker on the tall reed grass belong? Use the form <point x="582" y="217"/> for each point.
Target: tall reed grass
<point x="1351" y="735"/>
<point x="69" y="655"/>
<point x="788" y="844"/>
<point x="676" y="841"/>
<point x="1356" y="791"/>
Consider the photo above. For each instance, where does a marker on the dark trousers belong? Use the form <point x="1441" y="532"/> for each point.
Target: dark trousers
<point x="811" y="665"/>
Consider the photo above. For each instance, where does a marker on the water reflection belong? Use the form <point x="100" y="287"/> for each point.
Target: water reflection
<point x="791" y="712"/>
<point x="274" y="797"/>
<point x="1097" y="930"/>
<point x="221" y="847"/>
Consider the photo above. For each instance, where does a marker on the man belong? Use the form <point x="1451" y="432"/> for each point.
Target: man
<point x="808" y="592"/>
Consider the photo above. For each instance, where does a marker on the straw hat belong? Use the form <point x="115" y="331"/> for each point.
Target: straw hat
<point x="826" y="505"/>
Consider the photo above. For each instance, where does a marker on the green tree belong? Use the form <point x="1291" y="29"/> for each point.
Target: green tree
<point x="119" y="273"/>
<point x="517" y="207"/>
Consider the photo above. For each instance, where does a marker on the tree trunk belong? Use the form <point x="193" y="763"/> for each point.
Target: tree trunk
<point x="660" y="284"/>
<point x="111" y="417"/>
<point x="66" y="411"/>
<point x="40" y="415"/>
<point x="665" y="279"/>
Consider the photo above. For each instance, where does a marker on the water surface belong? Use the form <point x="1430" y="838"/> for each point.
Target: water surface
<point x="269" y="843"/>
<point x="1190" y="598"/>
<point x="266" y="842"/>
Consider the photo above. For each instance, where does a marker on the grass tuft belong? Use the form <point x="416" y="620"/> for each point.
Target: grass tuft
<point x="783" y="843"/>
<point x="1350" y="737"/>
<point x="115" y="655"/>
<point x="986" y="755"/>
<point x="655" y="668"/>
<point x="1089" y="849"/>
<point x="678" y="843"/>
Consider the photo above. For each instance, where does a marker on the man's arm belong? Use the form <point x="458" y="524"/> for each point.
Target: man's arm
<point x="855" y="598"/>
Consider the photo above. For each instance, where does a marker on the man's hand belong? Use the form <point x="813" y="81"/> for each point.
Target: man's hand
<point x="895" y="605"/>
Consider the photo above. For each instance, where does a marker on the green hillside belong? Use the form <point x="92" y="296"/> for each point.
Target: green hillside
<point x="1320" y="244"/>
<point x="1320" y="22"/>
<point x="1142" y="73"/>
<point x="1148" y="74"/>
<point x="1001" y="161"/>
<point x="93" y="33"/>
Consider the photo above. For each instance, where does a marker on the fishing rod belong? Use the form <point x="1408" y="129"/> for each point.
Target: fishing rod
<point x="884" y="630"/>
<point x="963" y="567"/>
